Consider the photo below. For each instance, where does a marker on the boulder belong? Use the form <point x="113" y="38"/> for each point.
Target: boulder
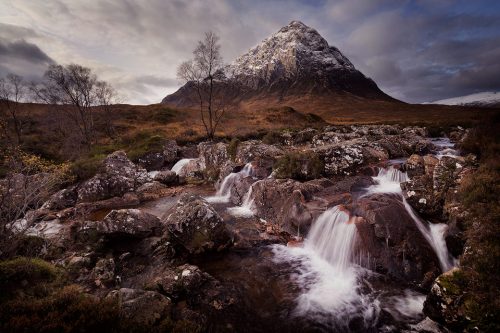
<point x="157" y="160"/>
<point x="196" y="227"/>
<point x="193" y="169"/>
<point x="447" y="303"/>
<point x="419" y="193"/>
<point x="63" y="199"/>
<point x="394" y="243"/>
<point x="414" y="166"/>
<point x="129" y="222"/>
<point x="167" y="177"/>
<point x="141" y="306"/>
<point x="261" y="154"/>
<point x="341" y="159"/>
<point x="430" y="162"/>
<point x="213" y="155"/>
<point x="117" y="177"/>
<point x="104" y="272"/>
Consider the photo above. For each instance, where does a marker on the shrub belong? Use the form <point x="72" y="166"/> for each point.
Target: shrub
<point x="142" y="143"/>
<point x="86" y="167"/>
<point x="163" y="115"/>
<point x="21" y="272"/>
<point x="232" y="148"/>
<point x="272" y="138"/>
<point x="300" y="166"/>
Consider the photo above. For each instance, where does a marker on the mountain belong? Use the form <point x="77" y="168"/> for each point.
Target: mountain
<point x="291" y="66"/>
<point x="483" y="99"/>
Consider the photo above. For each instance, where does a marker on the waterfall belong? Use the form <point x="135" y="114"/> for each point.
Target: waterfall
<point x="332" y="237"/>
<point x="326" y="270"/>
<point x="180" y="164"/>
<point x="246" y="208"/>
<point x="434" y="234"/>
<point x="388" y="181"/>
<point x="223" y="194"/>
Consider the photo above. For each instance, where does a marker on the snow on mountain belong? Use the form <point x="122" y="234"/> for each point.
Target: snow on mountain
<point x="294" y="50"/>
<point x="291" y="63"/>
<point x="487" y="98"/>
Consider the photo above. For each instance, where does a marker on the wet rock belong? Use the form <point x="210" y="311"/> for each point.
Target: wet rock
<point x="195" y="226"/>
<point x="341" y="159"/>
<point x="430" y="162"/>
<point x="118" y="176"/>
<point x="414" y="166"/>
<point x="104" y="272"/>
<point x="129" y="222"/>
<point x="171" y="152"/>
<point x="395" y="245"/>
<point x="159" y="159"/>
<point x="263" y="155"/>
<point x="419" y="193"/>
<point x="283" y="202"/>
<point x="167" y="177"/>
<point x="143" y="307"/>
<point x="193" y="169"/>
<point x="446" y="303"/>
<point x="63" y="199"/>
<point x="213" y="155"/>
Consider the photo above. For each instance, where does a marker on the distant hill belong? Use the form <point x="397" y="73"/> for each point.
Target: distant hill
<point x="483" y="99"/>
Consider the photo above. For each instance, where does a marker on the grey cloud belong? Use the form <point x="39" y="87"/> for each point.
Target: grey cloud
<point x="427" y="54"/>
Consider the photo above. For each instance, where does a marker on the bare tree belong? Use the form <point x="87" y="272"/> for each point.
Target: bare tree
<point x="28" y="184"/>
<point x="12" y="93"/>
<point x="206" y="73"/>
<point x="106" y="96"/>
<point x="77" y="92"/>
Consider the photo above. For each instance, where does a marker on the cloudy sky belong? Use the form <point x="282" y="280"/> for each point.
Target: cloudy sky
<point x="417" y="51"/>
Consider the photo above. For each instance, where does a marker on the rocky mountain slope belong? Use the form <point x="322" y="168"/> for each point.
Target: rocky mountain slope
<point x="294" y="62"/>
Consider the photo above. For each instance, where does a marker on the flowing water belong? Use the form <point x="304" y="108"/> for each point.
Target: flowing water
<point x="246" y="209"/>
<point x="445" y="147"/>
<point x="327" y="267"/>
<point x="181" y="164"/>
<point x="388" y="181"/>
<point x="223" y="194"/>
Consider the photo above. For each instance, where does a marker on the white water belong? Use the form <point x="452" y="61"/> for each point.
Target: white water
<point x="388" y="181"/>
<point x="247" y="206"/>
<point x="181" y="164"/>
<point x="445" y="146"/>
<point x="223" y="194"/>
<point x="434" y="234"/>
<point x="327" y="271"/>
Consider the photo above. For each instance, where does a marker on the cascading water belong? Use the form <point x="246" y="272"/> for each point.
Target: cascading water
<point x="181" y="164"/>
<point x="445" y="147"/>
<point x="388" y="181"/>
<point x="223" y="194"/>
<point x="246" y="208"/>
<point x="327" y="271"/>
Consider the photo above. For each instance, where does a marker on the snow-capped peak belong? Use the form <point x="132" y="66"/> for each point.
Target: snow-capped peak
<point x="487" y="98"/>
<point x="295" y="49"/>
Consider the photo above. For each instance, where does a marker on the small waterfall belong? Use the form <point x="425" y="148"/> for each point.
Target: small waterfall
<point x="434" y="234"/>
<point x="246" y="208"/>
<point x="181" y="164"/>
<point x="332" y="237"/>
<point x="388" y="181"/>
<point x="326" y="270"/>
<point x="223" y="194"/>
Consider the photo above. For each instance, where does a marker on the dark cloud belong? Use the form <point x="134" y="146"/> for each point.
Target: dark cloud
<point x="23" y="50"/>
